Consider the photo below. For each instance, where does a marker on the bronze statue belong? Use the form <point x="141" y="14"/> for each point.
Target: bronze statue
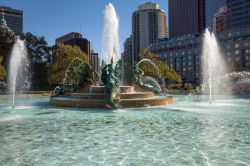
<point x="63" y="89"/>
<point x="137" y="79"/>
<point x="111" y="79"/>
<point x="86" y="75"/>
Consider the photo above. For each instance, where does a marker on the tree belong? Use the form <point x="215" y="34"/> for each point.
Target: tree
<point x="39" y="55"/>
<point x="37" y="48"/>
<point x="63" y="56"/>
<point x="165" y="71"/>
<point x="2" y="70"/>
<point x="6" y="43"/>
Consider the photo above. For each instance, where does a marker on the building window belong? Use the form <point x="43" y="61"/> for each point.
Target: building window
<point x="228" y="53"/>
<point x="221" y="36"/>
<point x="228" y="46"/>
<point x="237" y="52"/>
<point x="229" y="34"/>
<point x="183" y="53"/>
<point x="237" y="45"/>
<point x="246" y="44"/>
<point x="237" y="58"/>
<point x="247" y="57"/>
<point x="247" y="51"/>
<point x="228" y="59"/>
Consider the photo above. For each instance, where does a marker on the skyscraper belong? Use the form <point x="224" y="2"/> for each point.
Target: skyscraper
<point x="75" y="39"/>
<point x="148" y="25"/>
<point x="239" y="13"/>
<point x="127" y="55"/>
<point x="186" y="17"/>
<point x="94" y="61"/>
<point x="14" y="19"/>
<point x="212" y="8"/>
<point x="220" y="20"/>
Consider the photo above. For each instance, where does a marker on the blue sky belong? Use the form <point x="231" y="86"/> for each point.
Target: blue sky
<point x="54" y="18"/>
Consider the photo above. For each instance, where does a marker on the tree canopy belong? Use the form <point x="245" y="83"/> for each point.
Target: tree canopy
<point x="165" y="71"/>
<point x="63" y="55"/>
<point x="2" y="70"/>
<point x="37" y="48"/>
<point x="39" y="56"/>
<point x="6" y="43"/>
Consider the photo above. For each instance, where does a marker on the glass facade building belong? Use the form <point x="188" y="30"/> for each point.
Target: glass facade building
<point x="14" y="19"/>
<point x="212" y="7"/>
<point x="186" y="17"/>
<point x="239" y="13"/>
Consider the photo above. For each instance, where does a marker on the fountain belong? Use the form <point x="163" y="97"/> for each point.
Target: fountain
<point x="17" y="67"/>
<point x="213" y="65"/>
<point x="67" y="70"/>
<point x="110" y="37"/>
<point x="217" y="78"/>
<point x="109" y="94"/>
<point x="152" y="80"/>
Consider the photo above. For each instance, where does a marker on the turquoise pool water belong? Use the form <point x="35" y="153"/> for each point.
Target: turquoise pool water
<point x="186" y="133"/>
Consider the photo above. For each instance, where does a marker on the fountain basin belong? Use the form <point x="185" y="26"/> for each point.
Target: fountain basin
<point x="95" y="97"/>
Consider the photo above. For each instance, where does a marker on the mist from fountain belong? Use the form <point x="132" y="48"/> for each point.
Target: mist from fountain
<point x="18" y="68"/>
<point x="110" y="36"/>
<point x="151" y="81"/>
<point x="213" y="65"/>
<point x="148" y="61"/>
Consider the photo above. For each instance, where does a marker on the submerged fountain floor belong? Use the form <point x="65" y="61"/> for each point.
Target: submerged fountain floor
<point x="185" y="133"/>
<point x="94" y="97"/>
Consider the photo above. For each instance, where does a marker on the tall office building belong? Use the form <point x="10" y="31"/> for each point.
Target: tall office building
<point x="220" y="20"/>
<point x="127" y="54"/>
<point x="239" y="13"/>
<point x="94" y="61"/>
<point x="212" y="8"/>
<point x="148" y="25"/>
<point x="14" y="19"/>
<point x="75" y="39"/>
<point x="186" y="17"/>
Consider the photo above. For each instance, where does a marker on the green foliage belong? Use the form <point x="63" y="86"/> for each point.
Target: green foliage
<point x="165" y="71"/>
<point x="2" y="69"/>
<point x="37" y="48"/>
<point x="6" y="36"/>
<point x="39" y="55"/>
<point x="63" y="55"/>
<point x="6" y="43"/>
